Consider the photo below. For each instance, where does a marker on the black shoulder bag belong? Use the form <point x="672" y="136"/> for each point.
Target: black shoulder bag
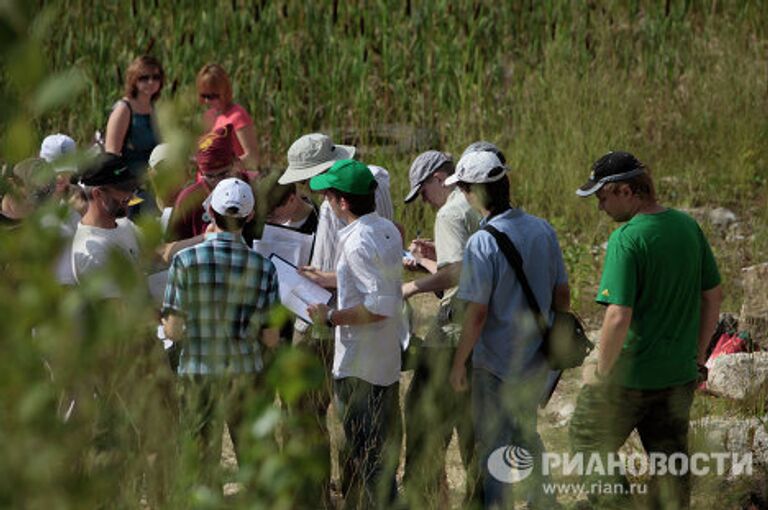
<point x="565" y="344"/>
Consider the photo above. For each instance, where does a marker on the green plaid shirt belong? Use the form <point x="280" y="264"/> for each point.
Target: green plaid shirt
<point x="224" y="291"/>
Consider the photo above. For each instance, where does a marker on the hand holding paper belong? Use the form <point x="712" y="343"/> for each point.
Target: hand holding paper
<point x="322" y="278"/>
<point x="297" y="293"/>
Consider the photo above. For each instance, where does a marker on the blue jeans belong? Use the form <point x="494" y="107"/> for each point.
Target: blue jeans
<point x="504" y="414"/>
<point x="368" y="413"/>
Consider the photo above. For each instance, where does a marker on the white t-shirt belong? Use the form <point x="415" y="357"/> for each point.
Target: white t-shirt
<point x="369" y="272"/>
<point x="67" y="229"/>
<point x="93" y="246"/>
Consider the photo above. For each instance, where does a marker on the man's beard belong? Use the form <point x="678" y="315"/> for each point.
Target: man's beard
<point x="114" y="208"/>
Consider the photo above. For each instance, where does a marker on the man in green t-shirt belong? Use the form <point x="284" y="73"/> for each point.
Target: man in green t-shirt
<point x="661" y="289"/>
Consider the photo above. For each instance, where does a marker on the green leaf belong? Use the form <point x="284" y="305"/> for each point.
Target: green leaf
<point x="19" y="140"/>
<point x="57" y="90"/>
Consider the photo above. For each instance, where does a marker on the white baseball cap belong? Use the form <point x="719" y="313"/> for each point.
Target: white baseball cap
<point x="56" y="146"/>
<point x="477" y="168"/>
<point x="159" y="154"/>
<point x="232" y="194"/>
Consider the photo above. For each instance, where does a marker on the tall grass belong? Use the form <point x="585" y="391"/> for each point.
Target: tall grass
<point x="682" y="84"/>
<point x="555" y="84"/>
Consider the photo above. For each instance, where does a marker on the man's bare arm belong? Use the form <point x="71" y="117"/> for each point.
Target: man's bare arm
<point x="445" y="278"/>
<point x="612" y="335"/>
<point x="710" y="313"/>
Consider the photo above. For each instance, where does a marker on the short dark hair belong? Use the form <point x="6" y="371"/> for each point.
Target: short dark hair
<point x="640" y="185"/>
<point x="494" y="196"/>
<point x="229" y="223"/>
<point x="280" y="194"/>
<point x="448" y="168"/>
<point x="359" y="205"/>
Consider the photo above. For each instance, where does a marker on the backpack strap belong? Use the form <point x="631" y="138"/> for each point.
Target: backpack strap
<point x="515" y="260"/>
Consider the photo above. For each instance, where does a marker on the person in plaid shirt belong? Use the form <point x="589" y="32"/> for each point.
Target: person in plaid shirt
<point x="218" y="304"/>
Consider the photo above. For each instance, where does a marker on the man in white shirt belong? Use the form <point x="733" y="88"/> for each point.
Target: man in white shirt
<point x="368" y="330"/>
<point x="105" y="231"/>
<point x="309" y="156"/>
<point x="105" y="236"/>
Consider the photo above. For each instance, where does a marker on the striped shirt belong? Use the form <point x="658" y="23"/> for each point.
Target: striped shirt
<point x="224" y="292"/>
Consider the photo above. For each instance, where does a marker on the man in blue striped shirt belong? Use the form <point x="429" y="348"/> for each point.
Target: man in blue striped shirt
<point x="218" y="304"/>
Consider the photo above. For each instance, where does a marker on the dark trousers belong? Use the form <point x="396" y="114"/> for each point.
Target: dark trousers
<point x="368" y="415"/>
<point x="207" y="403"/>
<point x="313" y="409"/>
<point x="432" y="412"/>
<point x="505" y="416"/>
<point x="607" y="414"/>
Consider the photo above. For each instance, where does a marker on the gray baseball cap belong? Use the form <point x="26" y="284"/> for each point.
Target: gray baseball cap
<point x="312" y="155"/>
<point x="422" y="169"/>
<point x="477" y="168"/>
<point x="483" y="146"/>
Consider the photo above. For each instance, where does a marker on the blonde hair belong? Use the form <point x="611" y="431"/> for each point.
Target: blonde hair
<point x="214" y="77"/>
<point x="138" y="67"/>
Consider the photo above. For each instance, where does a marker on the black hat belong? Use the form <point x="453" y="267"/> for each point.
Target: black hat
<point x="613" y="167"/>
<point x="109" y="170"/>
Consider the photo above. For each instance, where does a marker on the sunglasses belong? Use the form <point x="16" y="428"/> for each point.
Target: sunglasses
<point x="147" y="77"/>
<point x="220" y="173"/>
<point x="209" y="97"/>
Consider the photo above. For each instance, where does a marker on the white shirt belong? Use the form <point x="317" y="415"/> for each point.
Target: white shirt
<point x="329" y="225"/>
<point x="369" y="272"/>
<point x="67" y="228"/>
<point x="92" y="248"/>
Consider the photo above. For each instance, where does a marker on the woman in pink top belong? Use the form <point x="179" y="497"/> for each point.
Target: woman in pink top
<point x="215" y="91"/>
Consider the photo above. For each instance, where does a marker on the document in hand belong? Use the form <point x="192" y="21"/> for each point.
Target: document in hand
<point x="288" y="244"/>
<point x="297" y="292"/>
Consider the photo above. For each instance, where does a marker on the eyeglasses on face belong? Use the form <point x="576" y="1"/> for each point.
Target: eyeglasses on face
<point x="209" y="97"/>
<point x="218" y="174"/>
<point x="147" y="77"/>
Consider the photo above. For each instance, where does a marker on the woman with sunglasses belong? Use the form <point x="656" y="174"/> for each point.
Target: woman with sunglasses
<point x="214" y="91"/>
<point x="131" y="129"/>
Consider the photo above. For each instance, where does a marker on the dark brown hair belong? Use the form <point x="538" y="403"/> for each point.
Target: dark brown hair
<point x="494" y="196"/>
<point x="359" y="205"/>
<point x="640" y="185"/>
<point x="141" y="66"/>
<point x="229" y="223"/>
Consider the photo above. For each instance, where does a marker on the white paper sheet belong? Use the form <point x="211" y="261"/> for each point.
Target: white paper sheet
<point x="296" y="291"/>
<point x="287" y="243"/>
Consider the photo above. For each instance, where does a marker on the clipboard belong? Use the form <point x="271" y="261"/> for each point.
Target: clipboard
<point x="297" y="292"/>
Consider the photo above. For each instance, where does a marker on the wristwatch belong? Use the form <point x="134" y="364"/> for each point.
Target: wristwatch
<point x="329" y="318"/>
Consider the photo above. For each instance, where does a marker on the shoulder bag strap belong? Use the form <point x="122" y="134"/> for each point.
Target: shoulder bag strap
<point x="127" y="137"/>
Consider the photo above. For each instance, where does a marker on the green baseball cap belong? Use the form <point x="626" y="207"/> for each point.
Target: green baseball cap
<point x="346" y="175"/>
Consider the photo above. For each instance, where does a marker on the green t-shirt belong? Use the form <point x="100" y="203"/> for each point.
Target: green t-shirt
<point x="658" y="264"/>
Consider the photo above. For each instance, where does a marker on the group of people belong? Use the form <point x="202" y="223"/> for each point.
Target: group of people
<point x="478" y="370"/>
